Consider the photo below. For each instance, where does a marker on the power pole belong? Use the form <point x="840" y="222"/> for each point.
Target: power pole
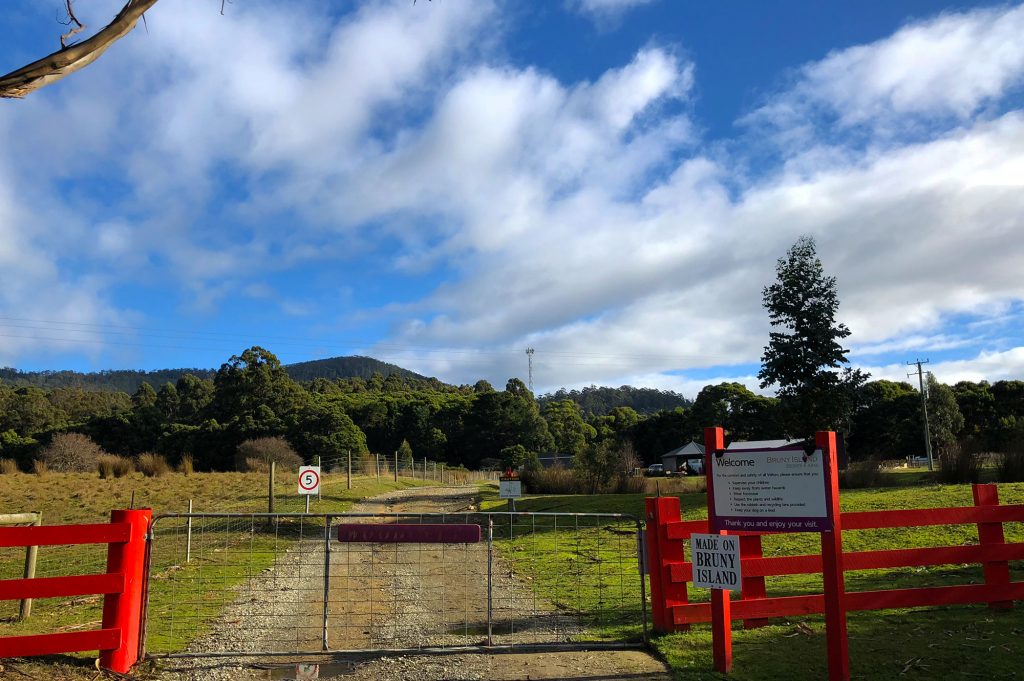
<point x="924" y="410"/>
<point x="529" y="360"/>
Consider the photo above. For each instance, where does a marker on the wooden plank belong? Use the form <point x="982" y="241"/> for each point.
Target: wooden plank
<point x="55" y="587"/>
<point x="869" y="560"/>
<point x="921" y="517"/>
<point x="64" y="535"/>
<point x="402" y="533"/>
<point x="68" y="642"/>
<point x="788" y="606"/>
<point x="934" y="595"/>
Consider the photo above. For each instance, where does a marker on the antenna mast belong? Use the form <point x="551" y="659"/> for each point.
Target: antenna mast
<point x="529" y="360"/>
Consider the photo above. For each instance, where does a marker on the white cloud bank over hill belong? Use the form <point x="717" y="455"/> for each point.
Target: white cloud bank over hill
<point x="587" y="219"/>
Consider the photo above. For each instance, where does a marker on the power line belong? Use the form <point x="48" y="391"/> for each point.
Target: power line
<point x="924" y="410"/>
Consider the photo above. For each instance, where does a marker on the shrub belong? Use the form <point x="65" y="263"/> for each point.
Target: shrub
<point x="267" y="449"/>
<point x="111" y="466"/>
<point x="39" y="467"/>
<point x="860" y="475"/>
<point x="551" y="481"/>
<point x="71" y="453"/>
<point x="186" y="466"/>
<point x="958" y="464"/>
<point x="254" y="465"/>
<point x="153" y="465"/>
<point x="8" y="467"/>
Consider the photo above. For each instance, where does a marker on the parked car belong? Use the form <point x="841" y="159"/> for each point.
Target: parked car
<point x="656" y="470"/>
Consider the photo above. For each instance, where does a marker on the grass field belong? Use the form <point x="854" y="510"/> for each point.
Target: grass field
<point x="955" y="642"/>
<point x="66" y="498"/>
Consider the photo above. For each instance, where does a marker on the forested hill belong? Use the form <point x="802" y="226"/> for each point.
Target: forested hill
<point x="128" y="381"/>
<point x="601" y="400"/>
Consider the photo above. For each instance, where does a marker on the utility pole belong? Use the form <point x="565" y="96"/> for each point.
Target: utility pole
<point x="924" y="410"/>
<point x="529" y="360"/>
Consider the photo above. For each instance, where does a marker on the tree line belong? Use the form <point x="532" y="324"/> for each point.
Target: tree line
<point x="252" y="396"/>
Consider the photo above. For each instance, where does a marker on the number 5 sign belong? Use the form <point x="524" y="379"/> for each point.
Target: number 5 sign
<point x="309" y="480"/>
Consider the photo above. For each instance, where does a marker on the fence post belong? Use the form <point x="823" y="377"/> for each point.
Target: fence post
<point x="396" y="465"/>
<point x="31" y="554"/>
<point x="124" y="610"/>
<point x="661" y="552"/>
<point x="188" y="534"/>
<point x="997" y="572"/>
<point x="348" y="453"/>
<point x="833" y="578"/>
<point x="753" y="587"/>
<point x="721" y="609"/>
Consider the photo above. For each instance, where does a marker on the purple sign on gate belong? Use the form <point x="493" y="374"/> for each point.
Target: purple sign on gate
<point x="408" y="533"/>
<point x="769" y="490"/>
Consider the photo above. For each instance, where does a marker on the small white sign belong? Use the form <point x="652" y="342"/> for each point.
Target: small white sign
<point x="307" y="672"/>
<point x="510" y="489"/>
<point x="716" y="561"/>
<point x="309" y="480"/>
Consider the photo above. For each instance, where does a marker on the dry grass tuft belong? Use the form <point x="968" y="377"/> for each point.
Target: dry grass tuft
<point x="187" y="465"/>
<point x="112" y="466"/>
<point x="153" y="465"/>
<point x="8" y="467"/>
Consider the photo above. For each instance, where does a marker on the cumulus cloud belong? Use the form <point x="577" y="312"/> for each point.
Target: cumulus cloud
<point x="587" y="219"/>
<point x="605" y="12"/>
<point x="950" y="66"/>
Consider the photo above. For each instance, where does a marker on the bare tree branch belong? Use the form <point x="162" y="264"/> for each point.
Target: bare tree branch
<point x="72" y="19"/>
<point x="52" y="68"/>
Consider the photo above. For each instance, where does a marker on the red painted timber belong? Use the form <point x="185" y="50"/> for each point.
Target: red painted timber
<point x="64" y="535"/>
<point x="869" y="560"/>
<point x="400" y="533"/>
<point x="55" y="587"/>
<point x="50" y="644"/>
<point x="874" y="520"/>
<point x="922" y="517"/>
<point x="787" y="606"/>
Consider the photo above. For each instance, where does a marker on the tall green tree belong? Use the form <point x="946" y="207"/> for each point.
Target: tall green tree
<point x="804" y="357"/>
<point x="568" y="430"/>
<point x="945" y="422"/>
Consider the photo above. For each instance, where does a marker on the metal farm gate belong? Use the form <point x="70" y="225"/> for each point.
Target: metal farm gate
<point x="295" y="584"/>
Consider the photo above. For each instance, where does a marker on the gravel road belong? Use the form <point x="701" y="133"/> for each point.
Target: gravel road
<point x="382" y="597"/>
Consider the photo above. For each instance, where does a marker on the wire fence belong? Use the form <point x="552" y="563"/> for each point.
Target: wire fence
<point x="236" y="584"/>
<point x="383" y="466"/>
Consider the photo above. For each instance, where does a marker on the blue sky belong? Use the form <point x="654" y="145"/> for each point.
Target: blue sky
<point x="444" y="184"/>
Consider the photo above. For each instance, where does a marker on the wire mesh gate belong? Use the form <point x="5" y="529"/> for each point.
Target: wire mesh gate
<point x="284" y="584"/>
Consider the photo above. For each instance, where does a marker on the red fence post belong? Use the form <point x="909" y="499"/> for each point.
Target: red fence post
<point x="832" y="566"/>
<point x="721" y="620"/>
<point x="124" y="610"/>
<point x="661" y="552"/>
<point x="753" y="587"/>
<point x="996" y="572"/>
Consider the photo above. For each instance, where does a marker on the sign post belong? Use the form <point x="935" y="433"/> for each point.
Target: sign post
<point x="309" y="482"/>
<point x="764" y="487"/>
<point x="510" y="487"/>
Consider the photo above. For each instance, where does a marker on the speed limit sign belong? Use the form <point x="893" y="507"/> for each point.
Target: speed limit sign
<point x="309" y="480"/>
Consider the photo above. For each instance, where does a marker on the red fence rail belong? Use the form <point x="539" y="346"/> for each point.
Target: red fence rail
<point x="670" y="572"/>
<point x="117" y="639"/>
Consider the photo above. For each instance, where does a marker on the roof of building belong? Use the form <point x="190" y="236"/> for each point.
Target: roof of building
<point x="689" y="449"/>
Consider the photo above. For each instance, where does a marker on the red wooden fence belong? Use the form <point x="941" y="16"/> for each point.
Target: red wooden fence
<point x="118" y="638"/>
<point x="670" y="573"/>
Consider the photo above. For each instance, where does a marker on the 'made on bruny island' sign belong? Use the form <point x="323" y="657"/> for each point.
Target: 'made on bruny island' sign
<point x="762" y="489"/>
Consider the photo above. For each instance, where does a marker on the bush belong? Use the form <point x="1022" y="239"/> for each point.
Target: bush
<point x="8" y="467"/>
<point x="551" y="481"/>
<point x="111" y="466"/>
<point x="71" y="453"/>
<point x="860" y="475"/>
<point x="254" y="465"/>
<point x="39" y="467"/>
<point x="267" y="449"/>
<point x="958" y="464"/>
<point x="153" y="465"/>
<point x="186" y="466"/>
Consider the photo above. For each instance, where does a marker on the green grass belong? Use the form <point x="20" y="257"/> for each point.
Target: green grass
<point x="69" y="498"/>
<point x="958" y="642"/>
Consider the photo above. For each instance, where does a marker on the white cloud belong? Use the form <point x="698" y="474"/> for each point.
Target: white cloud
<point x="605" y="12"/>
<point x="949" y="66"/>
<point x="986" y="366"/>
